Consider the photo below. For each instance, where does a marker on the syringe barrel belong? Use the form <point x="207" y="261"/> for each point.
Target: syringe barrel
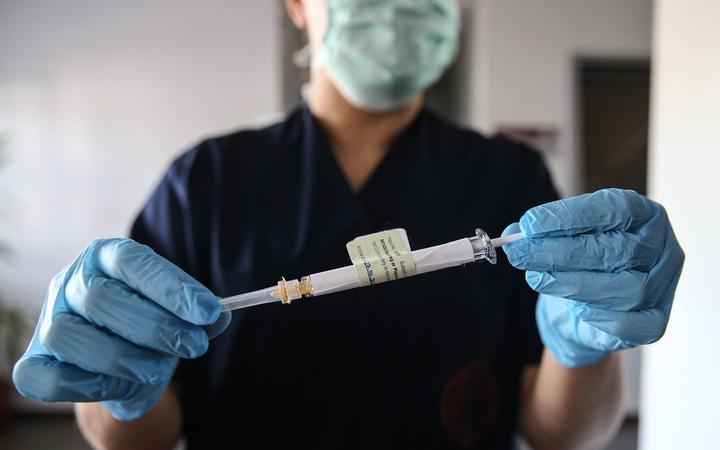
<point x="429" y="259"/>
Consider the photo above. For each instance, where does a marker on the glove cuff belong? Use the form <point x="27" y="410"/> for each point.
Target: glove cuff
<point x="138" y="400"/>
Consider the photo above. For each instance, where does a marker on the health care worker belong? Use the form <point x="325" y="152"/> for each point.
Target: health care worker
<point x="464" y="357"/>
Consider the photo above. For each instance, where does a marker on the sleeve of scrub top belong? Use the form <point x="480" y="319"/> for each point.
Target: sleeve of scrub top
<point x="533" y="186"/>
<point x="172" y="221"/>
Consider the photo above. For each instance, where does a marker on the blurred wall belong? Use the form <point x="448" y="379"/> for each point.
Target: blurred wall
<point x="96" y="97"/>
<point x="524" y="66"/>
<point x="681" y="374"/>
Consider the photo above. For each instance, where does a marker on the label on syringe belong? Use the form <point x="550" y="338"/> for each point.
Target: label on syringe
<point x="381" y="257"/>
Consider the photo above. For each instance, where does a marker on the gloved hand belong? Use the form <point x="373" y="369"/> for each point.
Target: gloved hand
<point x="112" y="328"/>
<point x="606" y="265"/>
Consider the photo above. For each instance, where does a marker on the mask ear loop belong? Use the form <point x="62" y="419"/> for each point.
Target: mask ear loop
<point x="302" y="58"/>
<point x="306" y="59"/>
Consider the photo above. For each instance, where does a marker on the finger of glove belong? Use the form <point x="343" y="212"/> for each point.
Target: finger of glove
<point x="669" y="266"/>
<point x="639" y="327"/>
<point x="218" y="327"/>
<point x="604" y="210"/>
<point x="45" y="378"/>
<point x="598" y="339"/>
<point x="71" y="339"/>
<point x="567" y="337"/>
<point x="665" y="275"/>
<point x="111" y="304"/>
<point x="623" y="291"/>
<point x="571" y="338"/>
<point x="158" y="280"/>
<point x="612" y="251"/>
<point x="508" y="248"/>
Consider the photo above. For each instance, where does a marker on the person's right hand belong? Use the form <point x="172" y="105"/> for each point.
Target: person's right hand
<point x="112" y="328"/>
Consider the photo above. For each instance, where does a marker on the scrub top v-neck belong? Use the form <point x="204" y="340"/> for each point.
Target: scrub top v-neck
<point x="432" y="361"/>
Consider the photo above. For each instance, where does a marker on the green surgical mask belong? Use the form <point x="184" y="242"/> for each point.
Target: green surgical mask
<point x="381" y="54"/>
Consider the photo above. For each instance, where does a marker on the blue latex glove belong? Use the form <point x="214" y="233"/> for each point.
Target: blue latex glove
<point x="112" y="328"/>
<point x="606" y="265"/>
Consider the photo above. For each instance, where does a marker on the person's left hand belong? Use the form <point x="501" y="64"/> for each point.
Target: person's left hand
<point x="606" y="265"/>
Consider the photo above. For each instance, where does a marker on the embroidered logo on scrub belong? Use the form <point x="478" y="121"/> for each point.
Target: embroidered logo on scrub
<point x="381" y="257"/>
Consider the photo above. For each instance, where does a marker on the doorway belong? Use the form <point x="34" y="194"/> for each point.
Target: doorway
<point x="614" y="98"/>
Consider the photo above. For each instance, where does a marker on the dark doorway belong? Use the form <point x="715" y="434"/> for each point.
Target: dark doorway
<point x="614" y="98"/>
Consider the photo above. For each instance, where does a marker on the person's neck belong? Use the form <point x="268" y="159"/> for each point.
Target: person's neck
<point x="359" y="139"/>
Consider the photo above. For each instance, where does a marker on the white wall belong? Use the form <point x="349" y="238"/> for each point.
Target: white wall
<point x="524" y="66"/>
<point x="680" y="403"/>
<point x="96" y="97"/>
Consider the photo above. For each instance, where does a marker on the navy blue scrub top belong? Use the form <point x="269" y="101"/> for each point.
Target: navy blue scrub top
<point x="432" y="361"/>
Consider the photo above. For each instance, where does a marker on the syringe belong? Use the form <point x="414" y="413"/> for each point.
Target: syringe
<point x="429" y="259"/>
